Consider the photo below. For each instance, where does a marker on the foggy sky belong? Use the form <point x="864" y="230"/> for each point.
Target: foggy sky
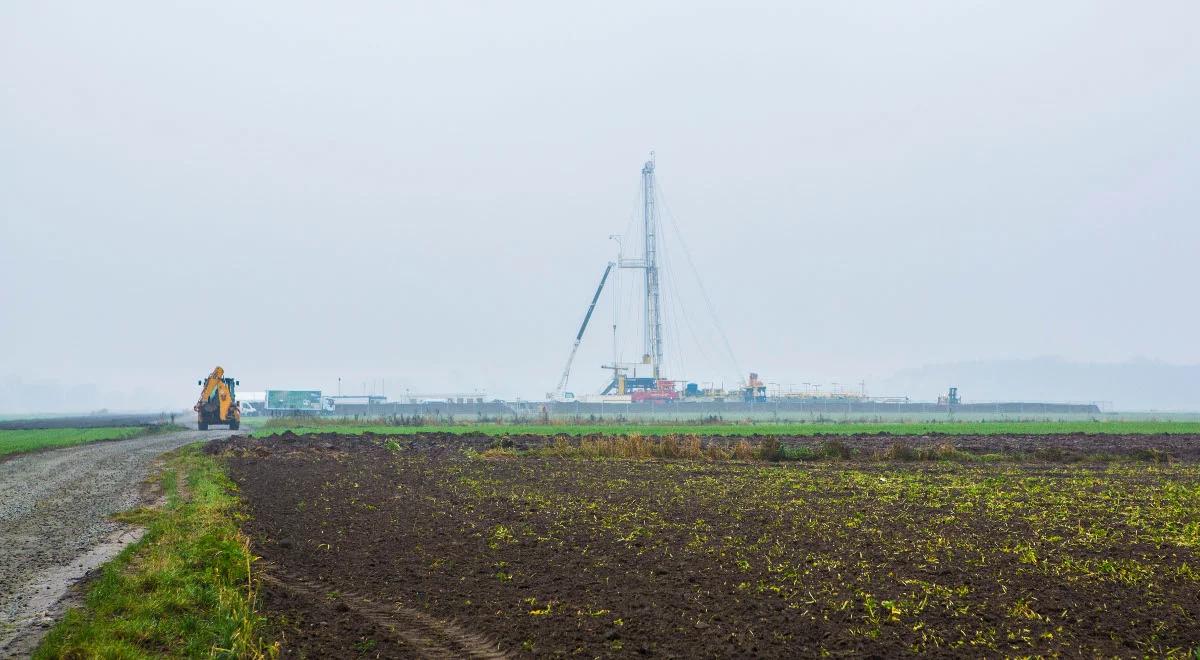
<point x="422" y="193"/>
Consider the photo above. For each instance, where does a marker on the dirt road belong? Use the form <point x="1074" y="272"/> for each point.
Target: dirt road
<point x="55" y="527"/>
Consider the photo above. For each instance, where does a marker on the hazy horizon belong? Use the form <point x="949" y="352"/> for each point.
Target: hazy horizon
<point x="423" y="194"/>
<point x="1137" y="385"/>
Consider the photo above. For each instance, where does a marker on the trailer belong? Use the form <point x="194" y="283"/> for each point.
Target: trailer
<point x="284" y="403"/>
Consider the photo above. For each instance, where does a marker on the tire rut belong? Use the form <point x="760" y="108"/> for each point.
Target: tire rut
<point x="430" y="637"/>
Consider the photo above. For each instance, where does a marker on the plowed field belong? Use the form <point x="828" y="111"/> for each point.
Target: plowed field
<point x="432" y="546"/>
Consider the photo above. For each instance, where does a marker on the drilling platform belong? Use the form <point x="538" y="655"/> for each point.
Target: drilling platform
<point x="645" y="382"/>
<point x="625" y="385"/>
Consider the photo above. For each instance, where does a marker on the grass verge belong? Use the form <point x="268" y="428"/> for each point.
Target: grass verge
<point x="26" y="440"/>
<point x="184" y="590"/>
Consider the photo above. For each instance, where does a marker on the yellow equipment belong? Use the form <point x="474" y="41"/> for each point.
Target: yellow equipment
<point x="218" y="402"/>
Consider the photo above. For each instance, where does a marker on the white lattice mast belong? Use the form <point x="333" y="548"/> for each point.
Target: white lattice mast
<point x="653" y="349"/>
<point x="654" y="339"/>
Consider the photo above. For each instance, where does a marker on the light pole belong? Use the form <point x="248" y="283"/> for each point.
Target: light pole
<point x="620" y="246"/>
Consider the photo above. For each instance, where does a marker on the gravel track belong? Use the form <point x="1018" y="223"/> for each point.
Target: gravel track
<point x="55" y="527"/>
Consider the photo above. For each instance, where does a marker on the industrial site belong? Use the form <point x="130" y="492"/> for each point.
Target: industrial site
<point x="642" y="387"/>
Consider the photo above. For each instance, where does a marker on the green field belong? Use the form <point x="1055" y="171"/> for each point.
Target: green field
<point x="280" y="425"/>
<point x="18" y="441"/>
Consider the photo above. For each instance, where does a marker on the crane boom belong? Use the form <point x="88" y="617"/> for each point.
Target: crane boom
<point x="562" y="382"/>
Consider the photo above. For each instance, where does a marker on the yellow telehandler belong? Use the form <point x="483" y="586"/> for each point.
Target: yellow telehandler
<point x="218" y="401"/>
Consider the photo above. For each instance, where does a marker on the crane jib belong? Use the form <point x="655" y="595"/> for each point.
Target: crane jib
<point x="587" y="317"/>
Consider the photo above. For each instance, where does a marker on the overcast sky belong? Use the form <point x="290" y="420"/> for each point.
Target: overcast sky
<point x="422" y="193"/>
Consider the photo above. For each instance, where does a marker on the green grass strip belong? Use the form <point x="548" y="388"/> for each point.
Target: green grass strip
<point x="795" y="428"/>
<point x="183" y="590"/>
<point x="20" y="441"/>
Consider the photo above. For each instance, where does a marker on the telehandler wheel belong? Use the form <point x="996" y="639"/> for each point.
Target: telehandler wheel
<point x="203" y="426"/>
<point x="233" y="426"/>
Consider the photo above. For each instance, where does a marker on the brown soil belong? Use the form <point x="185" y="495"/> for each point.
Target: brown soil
<point x="425" y="552"/>
<point x="1064" y="447"/>
<point x="1068" y="447"/>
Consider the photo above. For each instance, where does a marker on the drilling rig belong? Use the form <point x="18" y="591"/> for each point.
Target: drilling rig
<point x="651" y="387"/>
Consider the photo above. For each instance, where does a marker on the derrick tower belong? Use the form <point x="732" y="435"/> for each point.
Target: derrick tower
<point x="653" y="348"/>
